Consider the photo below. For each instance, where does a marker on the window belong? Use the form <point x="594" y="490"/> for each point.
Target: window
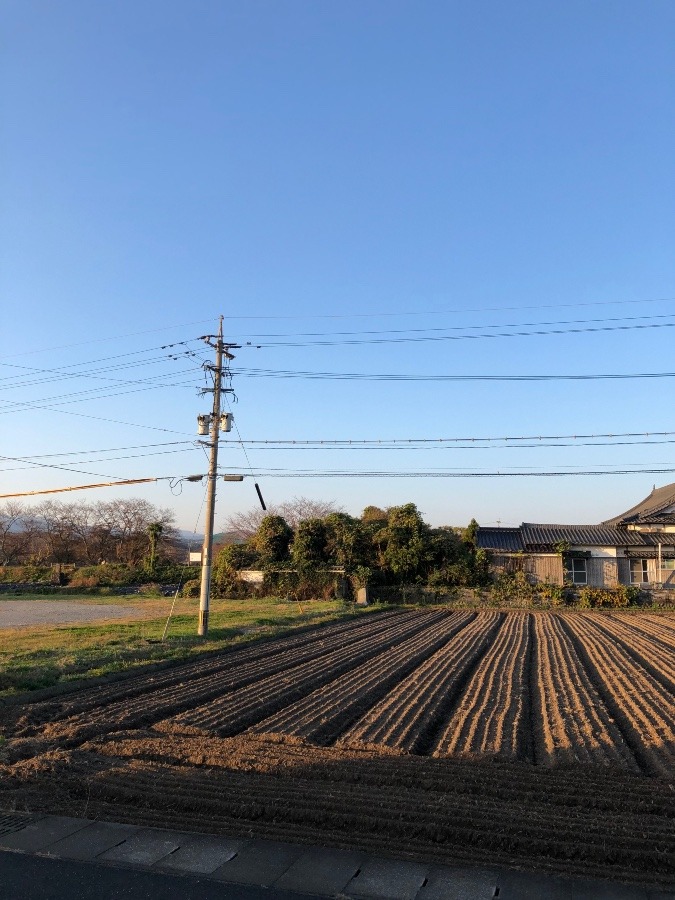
<point x="668" y="564"/>
<point x="575" y="570"/>
<point x="638" y="571"/>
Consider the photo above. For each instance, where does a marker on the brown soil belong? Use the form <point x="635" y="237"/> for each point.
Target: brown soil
<point x="560" y="743"/>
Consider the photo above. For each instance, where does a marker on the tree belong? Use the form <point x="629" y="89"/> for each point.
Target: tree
<point x="308" y="550"/>
<point x="15" y="536"/>
<point x="272" y="540"/>
<point x="58" y="540"/>
<point x="451" y="558"/>
<point x="347" y="542"/>
<point x="404" y="543"/>
<point x="374" y="514"/>
<point x="245" y="524"/>
<point x="155" y="531"/>
<point x="300" y="509"/>
<point x="123" y="527"/>
<point x="470" y="533"/>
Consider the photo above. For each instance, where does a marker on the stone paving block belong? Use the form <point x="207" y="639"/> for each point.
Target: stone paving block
<point x="39" y="835"/>
<point x="528" y="886"/>
<point x="259" y="862"/>
<point x="393" y="879"/>
<point x="321" y="871"/>
<point x="201" y="855"/>
<point x="444" y="883"/>
<point x="146" y="847"/>
<point x="90" y="842"/>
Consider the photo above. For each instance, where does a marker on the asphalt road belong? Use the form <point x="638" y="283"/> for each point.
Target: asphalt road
<point x="24" y="877"/>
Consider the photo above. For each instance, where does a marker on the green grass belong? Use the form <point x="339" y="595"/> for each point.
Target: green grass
<point x="37" y="657"/>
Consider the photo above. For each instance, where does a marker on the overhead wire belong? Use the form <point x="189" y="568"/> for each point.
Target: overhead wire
<point x="444" y="447"/>
<point x="447" y="328"/>
<point x="102" y="359"/>
<point x="105" y="450"/>
<point x="106" y="458"/>
<point x="460" y="337"/>
<point x="444" y="440"/>
<point x="365" y="376"/>
<point x="110" y="338"/>
<point x="279" y="473"/>
<point x="445" y="312"/>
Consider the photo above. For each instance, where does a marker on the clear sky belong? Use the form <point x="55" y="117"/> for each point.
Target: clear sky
<point x="426" y="179"/>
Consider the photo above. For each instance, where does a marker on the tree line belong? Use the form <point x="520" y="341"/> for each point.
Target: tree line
<point x="393" y="546"/>
<point x="132" y="532"/>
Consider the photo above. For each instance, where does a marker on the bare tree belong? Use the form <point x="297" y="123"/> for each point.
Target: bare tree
<point x="245" y="524"/>
<point x="59" y="543"/>
<point x="83" y="533"/>
<point x="299" y="509"/>
<point x="125" y="522"/>
<point x="15" y="540"/>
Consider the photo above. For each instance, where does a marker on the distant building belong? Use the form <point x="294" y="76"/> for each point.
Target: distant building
<point x="636" y="547"/>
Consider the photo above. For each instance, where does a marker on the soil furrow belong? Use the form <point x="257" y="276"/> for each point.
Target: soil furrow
<point x="649" y="654"/>
<point x="491" y="716"/>
<point x="156" y="705"/>
<point x="641" y="707"/>
<point x="575" y="725"/>
<point x="245" y="708"/>
<point x="347" y="698"/>
<point x="589" y="687"/>
<point x="655" y="631"/>
<point x="104" y="697"/>
<point x="409" y="717"/>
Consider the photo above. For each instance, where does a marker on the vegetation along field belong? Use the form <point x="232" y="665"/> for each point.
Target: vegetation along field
<point x="532" y="739"/>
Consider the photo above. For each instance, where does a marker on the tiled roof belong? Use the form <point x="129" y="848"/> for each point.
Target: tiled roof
<point x="508" y="540"/>
<point x="649" y="510"/>
<point x="535" y="535"/>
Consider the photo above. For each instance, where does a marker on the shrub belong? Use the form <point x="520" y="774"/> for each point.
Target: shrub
<point x="191" y="588"/>
<point x="600" y="598"/>
<point x="83" y="581"/>
<point x="552" y="594"/>
<point x="512" y="588"/>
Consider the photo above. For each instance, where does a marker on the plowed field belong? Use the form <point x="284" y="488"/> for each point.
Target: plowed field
<point x="539" y="740"/>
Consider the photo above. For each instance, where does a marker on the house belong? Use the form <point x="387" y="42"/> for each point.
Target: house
<point x="636" y="547"/>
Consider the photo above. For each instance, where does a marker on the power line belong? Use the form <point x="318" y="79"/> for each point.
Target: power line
<point x="445" y="312"/>
<point x="117" y="338"/>
<point x="445" y="447"/>
<point x="105" y="450"/>
<point x="69" y="412"/>
<point x="454" y="474"/>
<point x="107" y="458"/>
<point x="81" y="487"/>
<point x="462" y="337"/>
<point x="364" y="376"/>
<point x="91" y="394"/>
<point x="349" y="442"/>
<point x="446" y="328"/>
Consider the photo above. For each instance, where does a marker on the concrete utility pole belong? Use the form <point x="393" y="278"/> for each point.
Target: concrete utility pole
<point x="222" y="350"/>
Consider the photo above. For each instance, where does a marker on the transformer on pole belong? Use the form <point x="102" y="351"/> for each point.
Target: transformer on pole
<point x="212" y="425"/>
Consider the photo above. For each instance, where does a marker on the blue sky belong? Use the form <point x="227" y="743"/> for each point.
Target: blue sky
<point x="310" y="168"/>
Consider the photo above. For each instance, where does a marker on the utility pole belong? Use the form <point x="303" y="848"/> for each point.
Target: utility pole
<point x="222" y="350"/>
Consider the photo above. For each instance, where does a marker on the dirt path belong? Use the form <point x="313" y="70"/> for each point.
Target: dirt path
<point x="24" y="613"/>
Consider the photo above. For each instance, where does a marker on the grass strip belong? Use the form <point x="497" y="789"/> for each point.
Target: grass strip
<point x="34" y="658"/>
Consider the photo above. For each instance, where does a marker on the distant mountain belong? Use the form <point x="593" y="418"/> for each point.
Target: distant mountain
<point x="228" y="537"/>
<point x="188" y="538"/>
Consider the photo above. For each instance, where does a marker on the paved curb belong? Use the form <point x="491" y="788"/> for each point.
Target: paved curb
<point x="290" y="868"/>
